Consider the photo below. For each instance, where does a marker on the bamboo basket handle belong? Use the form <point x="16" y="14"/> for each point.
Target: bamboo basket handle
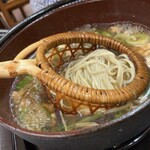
<point x="13" y="68"/>
<point x="20" y="65"/>
<point x="28" y="50"/>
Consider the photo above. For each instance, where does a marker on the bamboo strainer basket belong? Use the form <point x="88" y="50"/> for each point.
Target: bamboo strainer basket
<point x="55" y="51"/>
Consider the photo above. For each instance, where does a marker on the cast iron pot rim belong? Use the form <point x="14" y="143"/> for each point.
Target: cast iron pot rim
<point x="63" y="134"/>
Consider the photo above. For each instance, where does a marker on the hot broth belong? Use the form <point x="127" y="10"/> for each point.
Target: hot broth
<point x="33" y="110"/>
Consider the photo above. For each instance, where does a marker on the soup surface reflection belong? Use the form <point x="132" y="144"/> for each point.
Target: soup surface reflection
<point x="33" y="110"/>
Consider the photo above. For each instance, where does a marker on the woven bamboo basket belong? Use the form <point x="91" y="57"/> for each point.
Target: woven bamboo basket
<point x="70" y="97"/>
<point x="55" y="51"/>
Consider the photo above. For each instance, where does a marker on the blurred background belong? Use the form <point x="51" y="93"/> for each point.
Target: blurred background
<point x="13" y="11"/>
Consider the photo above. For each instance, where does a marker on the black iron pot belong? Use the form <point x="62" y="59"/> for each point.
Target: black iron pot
<point x="54" y="20"/>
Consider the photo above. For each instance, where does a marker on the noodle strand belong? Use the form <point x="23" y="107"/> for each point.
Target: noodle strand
<point x="101" y="69"/>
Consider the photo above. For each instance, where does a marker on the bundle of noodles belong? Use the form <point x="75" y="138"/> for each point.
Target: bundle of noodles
<point x="101" y="69"/>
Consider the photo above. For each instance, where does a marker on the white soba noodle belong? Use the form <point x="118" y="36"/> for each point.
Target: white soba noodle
<point x="101" y="69"/>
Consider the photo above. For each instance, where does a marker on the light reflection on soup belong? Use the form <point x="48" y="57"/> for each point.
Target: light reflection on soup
<point x="33" y="110"/>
